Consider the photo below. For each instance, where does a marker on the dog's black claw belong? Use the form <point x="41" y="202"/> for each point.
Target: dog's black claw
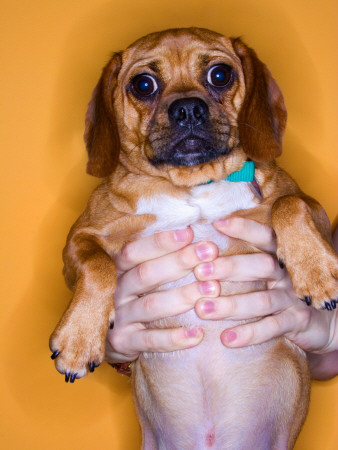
<point x="55" y="354"/>
<point x="67" y="377"/>
<point x="307" y="300"/>
<point x="281" y="264"/>
<point x="92" y="366"/>
<point x="73" y="377"/>
<point x="328" y="306"/>
<point x="111" y="326"/>
<point x="334" y="304"/>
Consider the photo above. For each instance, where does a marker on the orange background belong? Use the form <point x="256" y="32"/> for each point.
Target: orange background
<point x="52" y="53"/>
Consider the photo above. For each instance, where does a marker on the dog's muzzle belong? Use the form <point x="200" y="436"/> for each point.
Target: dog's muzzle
<point x="191" y="140"/>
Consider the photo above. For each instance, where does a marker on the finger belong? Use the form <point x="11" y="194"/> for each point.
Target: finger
<point x="256" y="266"/>
<point x="129" y="343"/>
<point x="166" y="340"/>
<point x="260" y="331"/>
<point x="245" y="306"/>
<point x="261" y="236"/>
<point x="161" y="304"/>
<point x="151" y="274"/>
<point x="151" y="247"/>
<point x="293" y="323"/>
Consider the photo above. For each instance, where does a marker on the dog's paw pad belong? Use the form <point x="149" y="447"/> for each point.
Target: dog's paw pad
<point x="314" y="276"/>
<point x="74" y="354"/>
<point x="75" y="367"/>
<point x="78" y="345"/>
<point x="72" y="376"/>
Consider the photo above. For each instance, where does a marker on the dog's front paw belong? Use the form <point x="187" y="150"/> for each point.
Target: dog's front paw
<point x="77" y="347"/>
<point x="313" y="267"/>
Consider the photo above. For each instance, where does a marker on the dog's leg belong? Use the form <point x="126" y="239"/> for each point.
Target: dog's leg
<point x="78" y="342"/>
<point x="303" y="246"/>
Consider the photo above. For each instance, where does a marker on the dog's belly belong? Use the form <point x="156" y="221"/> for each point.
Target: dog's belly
<point x="209" y="396"/>
<point x="213" y="397"/>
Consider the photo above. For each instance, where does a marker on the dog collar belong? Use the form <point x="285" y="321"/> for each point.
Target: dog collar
<point x="246" y="174"/>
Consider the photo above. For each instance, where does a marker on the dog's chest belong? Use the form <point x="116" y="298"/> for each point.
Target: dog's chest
<point x="198" y="209"/>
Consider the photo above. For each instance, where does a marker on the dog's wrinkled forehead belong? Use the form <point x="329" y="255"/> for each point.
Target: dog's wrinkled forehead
<point x="178" y="54"/>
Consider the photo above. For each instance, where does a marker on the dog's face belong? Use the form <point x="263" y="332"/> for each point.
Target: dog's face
<point x="185" y="104"/>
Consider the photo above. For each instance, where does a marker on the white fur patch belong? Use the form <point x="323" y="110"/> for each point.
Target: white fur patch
<point x="203" y="205"/>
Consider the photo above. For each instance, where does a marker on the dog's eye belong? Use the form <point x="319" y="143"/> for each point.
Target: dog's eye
<point x="220" y="75"/>
<point x="144" y="85"/>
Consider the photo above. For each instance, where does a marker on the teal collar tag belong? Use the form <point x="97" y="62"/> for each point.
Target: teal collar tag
<point x="247" y="173"/>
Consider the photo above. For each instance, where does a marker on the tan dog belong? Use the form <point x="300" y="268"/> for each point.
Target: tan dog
<point x="173" y="112"/>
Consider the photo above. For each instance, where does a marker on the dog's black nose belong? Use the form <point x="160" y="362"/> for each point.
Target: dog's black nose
<point x="187" y="112"/>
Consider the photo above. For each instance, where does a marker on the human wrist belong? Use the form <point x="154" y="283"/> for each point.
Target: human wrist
<point x="326" y="325"/>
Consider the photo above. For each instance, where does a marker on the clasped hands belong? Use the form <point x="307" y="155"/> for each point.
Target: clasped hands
<point x="152" y="261"/>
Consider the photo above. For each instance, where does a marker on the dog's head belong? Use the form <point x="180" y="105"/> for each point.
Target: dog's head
<point x="187" y="104"/>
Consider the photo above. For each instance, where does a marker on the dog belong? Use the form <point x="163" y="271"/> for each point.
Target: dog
<point x="184" y="127"/>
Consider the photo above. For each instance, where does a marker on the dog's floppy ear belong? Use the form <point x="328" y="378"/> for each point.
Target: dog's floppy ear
<point x="101" y="135"/>
<point x="262" y="118"/>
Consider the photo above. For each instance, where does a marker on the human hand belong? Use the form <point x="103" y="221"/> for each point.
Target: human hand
<point x="142" y="266"/>
<point x="281" y="313"/>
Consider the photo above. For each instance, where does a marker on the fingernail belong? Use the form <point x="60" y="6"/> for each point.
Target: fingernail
<point x="203" y="251"/>
<point x="193" y="332"/>
<point x="221" y="222"/>
<point x="207" y="287"/>
<point x="208" y="306"/>
<point x="229" y="336"/>
<point x="205" y="269"/>
<point x="181" y="235"/>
